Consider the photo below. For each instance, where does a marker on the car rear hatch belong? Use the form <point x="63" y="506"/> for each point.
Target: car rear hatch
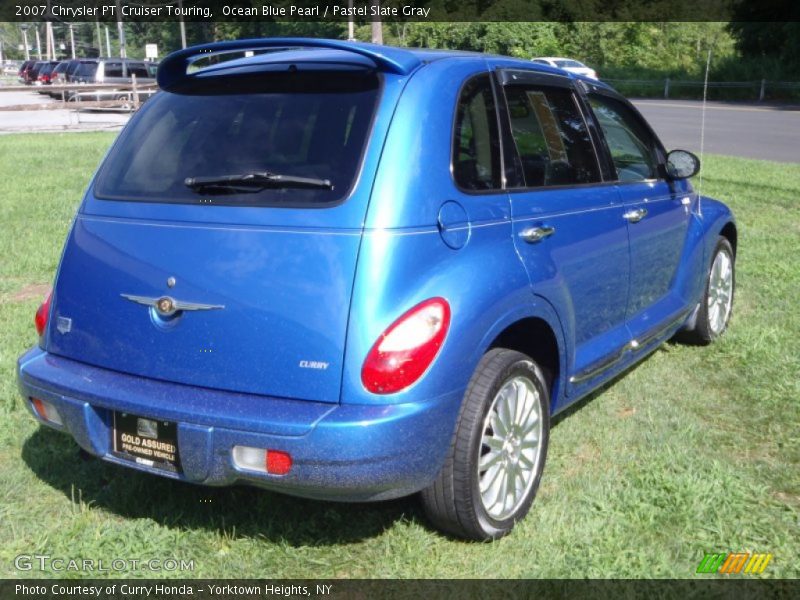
<point x="236" y="285"/>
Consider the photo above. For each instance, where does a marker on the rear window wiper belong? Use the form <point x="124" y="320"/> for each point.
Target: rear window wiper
<point x="255" y="182"/>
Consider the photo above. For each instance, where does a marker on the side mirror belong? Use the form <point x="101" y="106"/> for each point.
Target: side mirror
<point x="682" y="164"/>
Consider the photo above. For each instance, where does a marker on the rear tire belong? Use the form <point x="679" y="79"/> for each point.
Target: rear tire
<point x="717" y="302"/>
<point x="492" y="470"/>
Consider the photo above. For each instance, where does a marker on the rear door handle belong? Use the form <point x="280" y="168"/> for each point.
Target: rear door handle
<point x="537" y="234"/>
<point x="634" y="216"/>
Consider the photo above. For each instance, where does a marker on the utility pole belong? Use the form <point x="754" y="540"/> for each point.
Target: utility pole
<point x="121" y="31"/>
<point x="48" y="33"/>
<point x="182" y="24"/>
<point x="38" y="43"/>
<point x="350" y="33"/>
<point x="53" y="40"/>
<point x="24" y="29"/>
<point x="377" y="25"/>
<point x="108" y="42"/>
<point x="72" y="40"/>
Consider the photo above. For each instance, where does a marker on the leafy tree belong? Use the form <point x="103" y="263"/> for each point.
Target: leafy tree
<point x="758" y="37"/>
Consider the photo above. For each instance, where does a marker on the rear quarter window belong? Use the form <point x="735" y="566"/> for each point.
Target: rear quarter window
<point x="476" y="143"/>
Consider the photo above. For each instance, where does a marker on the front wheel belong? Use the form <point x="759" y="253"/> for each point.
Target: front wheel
<point x="495" y="462"/>
<point x="717" y="303"/>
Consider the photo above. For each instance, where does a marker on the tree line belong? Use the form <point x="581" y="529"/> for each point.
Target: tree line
<point x="741" y="50"/>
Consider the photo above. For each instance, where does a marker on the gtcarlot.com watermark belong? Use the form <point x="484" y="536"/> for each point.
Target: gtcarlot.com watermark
<point x="59" y="564"/>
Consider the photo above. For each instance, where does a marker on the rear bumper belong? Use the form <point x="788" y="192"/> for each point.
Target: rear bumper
<point x="339" y="451"/>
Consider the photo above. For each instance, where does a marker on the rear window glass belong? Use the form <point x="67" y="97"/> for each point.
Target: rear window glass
<point x="86" y="70"/>
<point x="302" y="124"/>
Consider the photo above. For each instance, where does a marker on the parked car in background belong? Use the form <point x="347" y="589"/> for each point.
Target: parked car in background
<point x="12" y="67"/>
<point x="45" y="70"/>
<point x="355" y="272"/>
<point x="567" y="64"/>
<point x="84" y="71"/>
<point x="33" y="72"/>
<point x="74" y="67"/>
<point x="113" y="70"/>
<point x="59" y="74"/>
<point x="25" y="72"/>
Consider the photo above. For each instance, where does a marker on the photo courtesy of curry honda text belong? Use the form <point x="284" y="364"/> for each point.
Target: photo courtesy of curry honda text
<point x="354" y="272"/>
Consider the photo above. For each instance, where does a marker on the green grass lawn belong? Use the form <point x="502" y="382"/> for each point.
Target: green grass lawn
<point x="695" y="450"/>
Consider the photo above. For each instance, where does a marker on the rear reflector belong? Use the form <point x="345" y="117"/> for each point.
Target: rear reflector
<point x="278" y="463"/>
<point x="46" y="411"/>
<point x="274" y="462"/>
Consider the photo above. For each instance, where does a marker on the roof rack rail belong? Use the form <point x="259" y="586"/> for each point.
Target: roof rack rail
<point x="172" y="69"/>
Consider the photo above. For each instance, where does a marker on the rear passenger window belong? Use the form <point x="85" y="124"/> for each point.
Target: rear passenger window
<point x="631" y="145"/>
<point x="113" y="69"/>
<point x="551" y="137"/>
<point x="476" y="143"/>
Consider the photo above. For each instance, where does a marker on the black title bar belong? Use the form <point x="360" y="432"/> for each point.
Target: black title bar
<point x="399" y="10"/>
<point x="429" y="589"/>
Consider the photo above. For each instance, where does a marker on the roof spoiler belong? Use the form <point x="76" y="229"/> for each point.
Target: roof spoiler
<point x="172" y="70"/>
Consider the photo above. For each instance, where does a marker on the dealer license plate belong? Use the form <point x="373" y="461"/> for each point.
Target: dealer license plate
<point x="146" y="441"/>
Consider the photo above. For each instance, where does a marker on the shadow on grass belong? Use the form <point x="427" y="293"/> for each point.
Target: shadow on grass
<point x="235" y="512"/>
<point x="678" y="340"/>
<point x="586" y="400"/>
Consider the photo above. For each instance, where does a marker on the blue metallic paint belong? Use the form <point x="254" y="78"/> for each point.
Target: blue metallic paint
<point x="327" y="282"/>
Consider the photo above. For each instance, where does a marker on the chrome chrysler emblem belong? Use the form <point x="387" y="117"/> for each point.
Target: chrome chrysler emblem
<point x="166" y="306"/>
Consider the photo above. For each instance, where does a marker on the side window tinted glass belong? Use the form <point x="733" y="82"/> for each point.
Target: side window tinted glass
<point x="113" y="69"/>
<point x="138" y="70"/>
<point x="631" y="145"/>
<point x="476" y="144"/>
<point x="551" y="136"/>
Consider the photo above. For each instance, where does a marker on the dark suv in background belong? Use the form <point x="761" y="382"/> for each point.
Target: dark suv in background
<point x="79" y="66"/>
<point x="24" y="71"/>
<point x="113" y="70"/>
<point x="59" y="73"/>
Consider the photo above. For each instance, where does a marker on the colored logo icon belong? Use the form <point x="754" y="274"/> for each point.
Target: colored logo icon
<point x="734" y="562"/>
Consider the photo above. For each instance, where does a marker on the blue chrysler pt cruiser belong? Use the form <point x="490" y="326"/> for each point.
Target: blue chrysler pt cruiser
<point x="354" y="272"/>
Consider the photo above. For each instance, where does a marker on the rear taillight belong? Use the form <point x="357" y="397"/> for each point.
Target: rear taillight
<point x="407" y="348"/>
<point x="42" y="314"/>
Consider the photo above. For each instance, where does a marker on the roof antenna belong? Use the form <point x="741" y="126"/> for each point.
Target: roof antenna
<point x="703" y="136"/>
